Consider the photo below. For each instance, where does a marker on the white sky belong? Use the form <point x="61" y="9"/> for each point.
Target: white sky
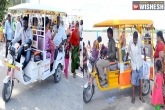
<point x="68" y="5"/>
<point x="99" y="10"/>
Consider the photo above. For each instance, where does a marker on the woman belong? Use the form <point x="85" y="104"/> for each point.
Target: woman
<point x="49" y="45"/>
<point x="160" y="49"/>
<point x="95" y="49"/>
<point x="75" y="42"/>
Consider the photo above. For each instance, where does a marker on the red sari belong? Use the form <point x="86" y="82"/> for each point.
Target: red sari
<point x="159" y="48"/>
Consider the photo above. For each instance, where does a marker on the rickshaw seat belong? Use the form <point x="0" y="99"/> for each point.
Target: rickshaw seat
<point x="113" y="66"/>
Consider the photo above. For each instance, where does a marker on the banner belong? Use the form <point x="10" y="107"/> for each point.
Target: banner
<point x="146" y="70"/>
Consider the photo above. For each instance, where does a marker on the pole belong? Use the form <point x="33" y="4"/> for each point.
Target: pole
<point x="96" y="34"/>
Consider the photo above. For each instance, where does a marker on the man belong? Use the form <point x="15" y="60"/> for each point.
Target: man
<point x="134" y="50"/>
<point x="58" y="36"/>
<point x="111" y="57"/>
<point x="123" y="45"/>
<point x="9" y="32"/>
<point x="81" y="42"/>
<point x="25" y="34"/>
<point x="18" y="26"/>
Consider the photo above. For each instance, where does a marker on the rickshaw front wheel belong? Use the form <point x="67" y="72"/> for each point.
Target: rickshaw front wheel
<point x="57" y="74"/>
<point x="7" y="90"/>
<point x="88" y="93"/>
<point x="146" y="87"/>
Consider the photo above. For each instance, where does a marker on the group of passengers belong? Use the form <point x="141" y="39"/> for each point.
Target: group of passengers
<point x="55" y="36"/>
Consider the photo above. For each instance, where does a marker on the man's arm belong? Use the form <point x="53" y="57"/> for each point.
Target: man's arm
<point x="113" y="50"/>
<point x="30" y="36"/>
<point x="63" y="37"/>
<point x="5" y="29"/>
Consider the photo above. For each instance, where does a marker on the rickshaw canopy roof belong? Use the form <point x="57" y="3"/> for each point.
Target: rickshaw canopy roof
<point x="109" y="23"/>
<point x="36" y="7"/>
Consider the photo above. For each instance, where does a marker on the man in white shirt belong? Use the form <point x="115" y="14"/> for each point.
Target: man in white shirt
<point x="25" y="34"/>
<point x="134" y="50"/>
<point x="58" y="36"/>
<point x="18" y="26"/>
<point x="9" y="32"/>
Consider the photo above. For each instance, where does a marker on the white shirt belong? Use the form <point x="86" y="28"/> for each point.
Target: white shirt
<point x="135" y="54"/>
<point x="24" y="36"/>
<point x="18" y="27"/>
<point x="60" y="36"/>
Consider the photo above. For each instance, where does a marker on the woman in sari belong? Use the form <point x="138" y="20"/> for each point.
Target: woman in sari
<point x="49" y="45"/>
<point x="75" y="42"/>
<point x="95" y="49"/>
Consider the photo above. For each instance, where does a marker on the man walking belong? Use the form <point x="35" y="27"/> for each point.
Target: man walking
<point x="9" y="32"/>
<point x="134" y="50"/>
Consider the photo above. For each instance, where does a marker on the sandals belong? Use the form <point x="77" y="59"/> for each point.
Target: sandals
<point x="143" y="101"/>
<point x="133" y="100"/>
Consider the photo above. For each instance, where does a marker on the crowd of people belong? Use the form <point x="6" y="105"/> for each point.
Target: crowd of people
<point x="56" y="35"/>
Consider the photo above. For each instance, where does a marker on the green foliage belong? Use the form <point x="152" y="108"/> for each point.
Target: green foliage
<point x="4" y="4"/>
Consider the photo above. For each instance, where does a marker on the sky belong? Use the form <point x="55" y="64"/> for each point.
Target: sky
<point x="96" y="11"/>
<point x="68" y="5"/>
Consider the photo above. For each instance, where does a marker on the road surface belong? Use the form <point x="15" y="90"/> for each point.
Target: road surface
<point x="65" y="95"/>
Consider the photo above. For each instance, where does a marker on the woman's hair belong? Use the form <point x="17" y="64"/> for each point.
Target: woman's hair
<point x="160" y="34"/>
<point x="89" y="43"/>
<point x="99" y="39"/>
<point x="159" y="65"/>
<point x="83" y="44"/>
<point x="46" y="21"/>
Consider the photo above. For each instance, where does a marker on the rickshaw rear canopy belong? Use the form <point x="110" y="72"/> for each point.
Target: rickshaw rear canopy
<point x="128" y="22"/>
<point x="36" y="7"/>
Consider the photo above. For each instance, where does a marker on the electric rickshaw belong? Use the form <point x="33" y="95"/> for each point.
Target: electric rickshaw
<point x="118" y="74"/>
<point x="40" y="66"/>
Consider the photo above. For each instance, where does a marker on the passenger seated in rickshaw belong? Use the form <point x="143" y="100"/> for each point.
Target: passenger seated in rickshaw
<point x="111" y="57"/>
<point x="26" y="36"/>
<point x="49" y="44"/>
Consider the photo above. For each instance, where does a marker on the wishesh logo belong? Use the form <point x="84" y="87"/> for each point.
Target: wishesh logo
<point x="135" y="6"/>
<point x="148" y="5"/>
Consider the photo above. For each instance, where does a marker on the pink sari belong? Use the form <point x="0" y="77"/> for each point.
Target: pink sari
<point x="49" y="46"/>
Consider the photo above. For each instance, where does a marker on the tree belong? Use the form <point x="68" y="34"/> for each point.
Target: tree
<point x="4" y="4"/>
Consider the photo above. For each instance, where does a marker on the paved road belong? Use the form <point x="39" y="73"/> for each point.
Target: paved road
<point x="122" y="101"/>
<point x="65" y="95"/>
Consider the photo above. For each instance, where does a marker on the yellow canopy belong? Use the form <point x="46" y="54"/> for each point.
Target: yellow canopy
<point x="110" y="23"/>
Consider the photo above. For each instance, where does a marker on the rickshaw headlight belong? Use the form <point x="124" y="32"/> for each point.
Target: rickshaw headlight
<point x="89" y="67"/>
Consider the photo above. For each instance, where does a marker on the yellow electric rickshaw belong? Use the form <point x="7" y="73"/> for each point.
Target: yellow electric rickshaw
<point x="118" y="75"/>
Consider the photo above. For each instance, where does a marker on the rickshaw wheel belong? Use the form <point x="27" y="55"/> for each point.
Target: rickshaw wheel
<point x="57" y="74"/>
<point x="7" y="90"/>
<point x="86" y="96"/>
<point x="146" y="87"/>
